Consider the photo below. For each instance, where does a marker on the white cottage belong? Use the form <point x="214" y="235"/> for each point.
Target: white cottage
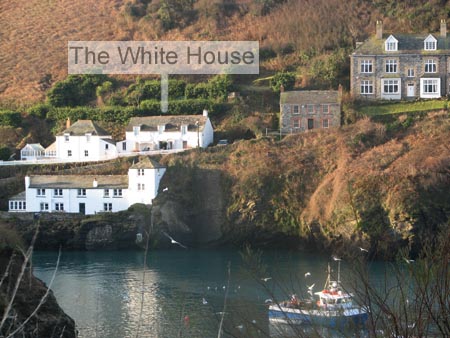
<point x="90" y="194"/>
<point x="167" y="132"/>
<point x="32" y="151"/>
<point x="83" y="141"/>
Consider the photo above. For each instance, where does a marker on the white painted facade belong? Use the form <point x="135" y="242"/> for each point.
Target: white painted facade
<point x="84" y="147"/>
<point x="33" y="151"/>
<point x="90" y="194"/>
<point x="169" y="132"/>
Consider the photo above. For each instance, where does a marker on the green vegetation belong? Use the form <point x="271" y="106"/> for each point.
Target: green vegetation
<point x="285" y="79"/>
<point x="10" y="118"/>
<point x="385" y="108"/>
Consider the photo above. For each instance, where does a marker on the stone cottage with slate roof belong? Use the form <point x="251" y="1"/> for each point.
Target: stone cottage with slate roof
<point x="167" y="132"/>
<point x="309" y="109"/>
<point x="90" y="194"/>
<point x="83" y="141"/>
<point x="401" y="66"/>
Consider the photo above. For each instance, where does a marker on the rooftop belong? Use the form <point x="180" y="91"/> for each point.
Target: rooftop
<point x="34" y="146"/>
<point x="19" y="197"/>
<point x="83" y="127"/>
<point x="171" y="123"/>
<point x="146" y="163"/>
<point x="79" y="181"/>
<point x="310" y="96"/>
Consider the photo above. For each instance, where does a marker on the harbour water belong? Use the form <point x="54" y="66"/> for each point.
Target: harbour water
<point x="179" y="293"/>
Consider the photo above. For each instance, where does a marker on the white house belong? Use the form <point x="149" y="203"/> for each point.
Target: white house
<point x="167" y="132"/>
<point x="90" y="194"/>
<point x="32" y="151"/>
<point x="83" y="141"/>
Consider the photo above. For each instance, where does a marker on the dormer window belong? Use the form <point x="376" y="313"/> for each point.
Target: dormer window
<point x="161" y="128"/>
<point x="183" y="130"/>
<point x="66" y="137"/>
<point x="136" y="130"/>
<point x="430" y="43"/>
<point x="88" y="137"/>
<point x="391" y="44"/>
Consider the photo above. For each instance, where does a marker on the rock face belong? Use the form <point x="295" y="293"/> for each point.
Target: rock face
<point x="49" y="321"/>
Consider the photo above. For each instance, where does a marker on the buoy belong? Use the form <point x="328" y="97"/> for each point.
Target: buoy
<point x="186" y="320"/>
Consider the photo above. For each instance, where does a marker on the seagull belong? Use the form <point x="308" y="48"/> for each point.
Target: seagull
<point x="165" y="189"/>
<point x="224" y="287"/>
<point x="311" y="286"/>
<point x="362" y="249"/>
<point x="268" y="301"/>
<point x="266" y="279"/>
<point x="204" y="301"/>
<point x="336" y="258"/>
<point x="310" y="292"/>
<point x="240" y="327"/>
<point x="254" y="321"/>
<point x="208" y="287"/>
<point x="174" y="241"/>
<point x="409" y="261"/>
<point x="307" y="274"/>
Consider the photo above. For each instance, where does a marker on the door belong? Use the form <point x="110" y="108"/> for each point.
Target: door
<point x="410" y="90"/>
<point x="185" y="145"/>
<point x="310" y="123"/>
<point x="82" y="208"/>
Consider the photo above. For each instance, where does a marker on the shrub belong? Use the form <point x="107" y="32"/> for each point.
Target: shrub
<point x="10" y="118"/>
<point x="39" y="110"/>
<point x="5" y="153"/>
<point x="287" y="79"/>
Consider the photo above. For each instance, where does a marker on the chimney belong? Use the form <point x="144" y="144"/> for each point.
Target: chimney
<point x="68" y="123"/>
<point x="340" y="92"/>
<point x="281" y="89"/>
<point x="443" y="28"/>
<point x="205" y="113"/>
<point x="27" y="182"/>
<point x="95" y="183"/>
<point x="379" y="30"/>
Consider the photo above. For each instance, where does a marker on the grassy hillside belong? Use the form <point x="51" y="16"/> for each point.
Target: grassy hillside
<point x="296" y="34"/>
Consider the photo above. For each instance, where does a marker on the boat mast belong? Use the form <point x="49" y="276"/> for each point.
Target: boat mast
<point x="327" y="282"/>
<point x="339" y="272"/>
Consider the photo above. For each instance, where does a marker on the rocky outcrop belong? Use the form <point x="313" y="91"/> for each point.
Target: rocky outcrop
<point x="49" y="321"/>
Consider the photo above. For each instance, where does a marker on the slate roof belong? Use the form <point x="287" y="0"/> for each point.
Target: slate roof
<point x="407" y="44"/>
<point x="83" y="127"/>
<point x="19" y="197"/>
<point x="172" y="122"/>
<point x="146" y="163"/>
<point x="309" y="97"/>
<point x="79" y="181"/>
<point x="34" y="146"/>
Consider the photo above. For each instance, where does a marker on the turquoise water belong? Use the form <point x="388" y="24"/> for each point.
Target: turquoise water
<point x="180" y="293"/>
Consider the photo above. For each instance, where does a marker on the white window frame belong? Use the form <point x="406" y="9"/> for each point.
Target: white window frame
<point x="40" y="192"/>
<point x="391" y="44"/>
<point x="81" y="192"/>
<point x="69" y="153"/>
<point x="88" y="137"/>
<point x="391" y="84"/>
<point x="366" y="66"/>
<point x="296" y="123"/>
<point x="43" y="206"/>
<point x="57" y="192"/>
<point x="295" y="109"/>
<point x="391" y="66"/>
<point x="308" y="106"/>
<point x="117" y="192"/>
<point x="141" y="172"/>
<point x="430" y="83"/>
<point x="411" y="72"/>
<point x="66" y="137"/>
<point x="328" y="108"/>
<point x="430" y="43"/>
<point x="59" y="206"/>
<point x="430" y="63"/>
<point x="86" y="153"/>
<point x="136" y="130"/>
<point x="327" y="123"/>
<point x="106" y="193"/>
<point x="183" y="129"/>
<point x="366" y="87"/>
<point x="107" y="207"/>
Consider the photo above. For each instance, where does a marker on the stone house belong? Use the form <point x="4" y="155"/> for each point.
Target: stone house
<point x="401" y="66"/>
<point x="309" y="109"/>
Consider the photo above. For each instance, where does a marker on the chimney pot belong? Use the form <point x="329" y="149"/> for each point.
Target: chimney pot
<point x="95" y="183"/>
<point x="68" y="123"/>
<point x="379" y="30"/>
<point x="443" y="28"/>
<point x="281" y="89"/>
<point x="205" y="113"/>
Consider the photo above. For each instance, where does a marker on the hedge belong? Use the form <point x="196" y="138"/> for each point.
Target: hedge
<point x="10" y="118"/>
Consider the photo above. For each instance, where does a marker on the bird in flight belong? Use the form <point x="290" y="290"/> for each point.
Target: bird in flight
<point x="362" y="249"/>
<point x="336" y="258"/>
<point x="174" y="241"/>
<point x="165" y="189"/>
<point x="307" y="274"/>
<point x="311" y="286"/>
<point x="409" y="261"/>
<point x="204" y="301"/>
<point x="266" y="279"/>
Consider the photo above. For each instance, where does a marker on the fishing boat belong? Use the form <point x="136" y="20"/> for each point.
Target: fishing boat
<point x="332" y="307"/>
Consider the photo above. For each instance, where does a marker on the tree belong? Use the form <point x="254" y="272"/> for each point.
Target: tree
<point x="287" y="79"/>
<point x="5" y="153"/>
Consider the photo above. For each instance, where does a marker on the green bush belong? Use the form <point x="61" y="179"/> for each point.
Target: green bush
<point x="10" y="118"/>
<point x="182" y="107"/>
<point x="39" y="110"/>
<point x="287" y="79"/>
<point x="5" y="153"/>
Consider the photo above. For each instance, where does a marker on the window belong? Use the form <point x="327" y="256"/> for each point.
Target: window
<point x="136" y="130"/>
<point x="391" y="44"/>
<point x="326" y="108"/>
<point x="391" y="66"/>
<point x="69" y="153"/>
<point x="81" y="192"/>
<point x="11" y="205"/>
<point x="88" y="137"/>
<point x="295" y="109"/>
<point x="391" y="87"/>
<point x="15" y="205"/>
<point x="86" y="153"/>
<point x="107" y="206"/>
<point x="366" y="66"/>
<point x="430" y="43"/>
<point x="106" y="146"/>
<point x="44" y="206"/>
<point x="325" y="123"/>
<point x="140" y="172"/>
<point x="117" y="192"/>
<point x="367" y="87"/>
<point x="24" y="205"/>
<point x="41" y="192"/>
<point x="106" y="193"/>
<point x="430" y="86"/>
<point x="430" y="66"/>
<point x="59" y="206"/>
<point x="141" y="186"/>
<point x="66" y="137"/>
<point x="57" y="192"/>
<point x="124" y="146"/>
<point x="183" y="130"/>
<point x="410" y="72"/>
<point x="161" y="128"/>
<point x="310" y="108"/>
<point x="296" y="123"/>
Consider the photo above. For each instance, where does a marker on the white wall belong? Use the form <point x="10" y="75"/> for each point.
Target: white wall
<point x="78" y="144"/>
<point x="150" y="179"/>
